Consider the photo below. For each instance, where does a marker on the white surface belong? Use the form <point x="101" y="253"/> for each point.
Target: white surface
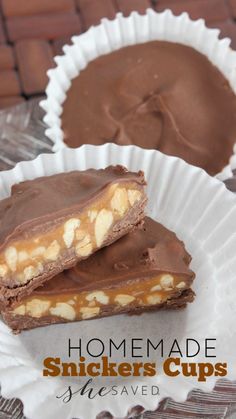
<point x="202" y="213"/>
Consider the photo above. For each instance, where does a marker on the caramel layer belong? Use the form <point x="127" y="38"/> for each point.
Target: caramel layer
<point x="80" y="234"/>
<point x="89" y="304"/>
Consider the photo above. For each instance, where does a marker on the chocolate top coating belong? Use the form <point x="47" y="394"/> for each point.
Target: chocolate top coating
<point x="157" y="95"/>
<point x="40" y="203"/>
<point x="149" y="250"/>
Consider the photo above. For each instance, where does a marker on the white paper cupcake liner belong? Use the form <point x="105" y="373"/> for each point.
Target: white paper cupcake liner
<point x="202" y="213"/>
<point x="124" y="31"/>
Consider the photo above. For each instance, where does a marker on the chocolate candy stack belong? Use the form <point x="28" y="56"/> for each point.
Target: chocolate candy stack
<point x="83" y="248"/>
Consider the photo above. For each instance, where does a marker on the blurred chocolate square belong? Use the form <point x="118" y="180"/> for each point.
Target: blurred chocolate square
<point x="232" y="7"/>
<point x="91" y="14"/>
<point x="7" y="61"/>
<point x="2" y="31"/>
<point x="45" y="26"/>
<point x="210" y="10"/>
<point x="33" y="7"/>
<point x="9" y="83"/>
<point x="34" y="58"/>
<point x="128" y="6"/>
<point x="8" y="101"/>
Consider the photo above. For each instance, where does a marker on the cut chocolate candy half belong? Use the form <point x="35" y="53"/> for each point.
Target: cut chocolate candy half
<point x="50" y="223"/>
<point x="147" y="269"/>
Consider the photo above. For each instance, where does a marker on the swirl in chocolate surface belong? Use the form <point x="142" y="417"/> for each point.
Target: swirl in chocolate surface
<point x="157" y="95"/>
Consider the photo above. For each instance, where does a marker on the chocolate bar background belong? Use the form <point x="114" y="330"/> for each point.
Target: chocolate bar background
<point x="32" y="32"/>
<point x="20" y="125"/>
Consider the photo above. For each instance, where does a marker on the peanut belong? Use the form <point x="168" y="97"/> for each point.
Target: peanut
<point x="89" y="312"/>
<point x="23" y="256"/>
<point x="38" y="251"/>
<point x="156" y="288"/>
<point x="113" y="188"/>
<point x="119" y="202"/>
<point x="154" y="299"/>
<point x="3" y="270"/>
<point x="99" y="296"/>
<point x="102" y="224"/>
<point x="167" y="281"/>
<point x="39" y="268"/>
<point x="80" y="234"/>
<point x="11" y="257"/>
<point x="92" y="214"/>
<point x="181" y="285"/>
<point x="36" y="307"/>
<point x="29" y="273"/>
<point x="52" y="251"/>
<point x="20" y="310"/>
<point x="134" y="196"/>
<point x="124" y="299"/>
<point x="84" y="247"/>
<point x="92" y="303"/>
<point x="63" y="310"/>
<point x="69" y="231"/>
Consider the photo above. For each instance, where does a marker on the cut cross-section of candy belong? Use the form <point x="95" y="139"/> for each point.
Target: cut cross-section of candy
<point x="147" y="269"/>
<point x="50" y="223"/>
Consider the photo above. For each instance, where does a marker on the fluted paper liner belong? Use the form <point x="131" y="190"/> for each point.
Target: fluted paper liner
<point x="124" y="31"/>
<point x="200" y="210"/>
